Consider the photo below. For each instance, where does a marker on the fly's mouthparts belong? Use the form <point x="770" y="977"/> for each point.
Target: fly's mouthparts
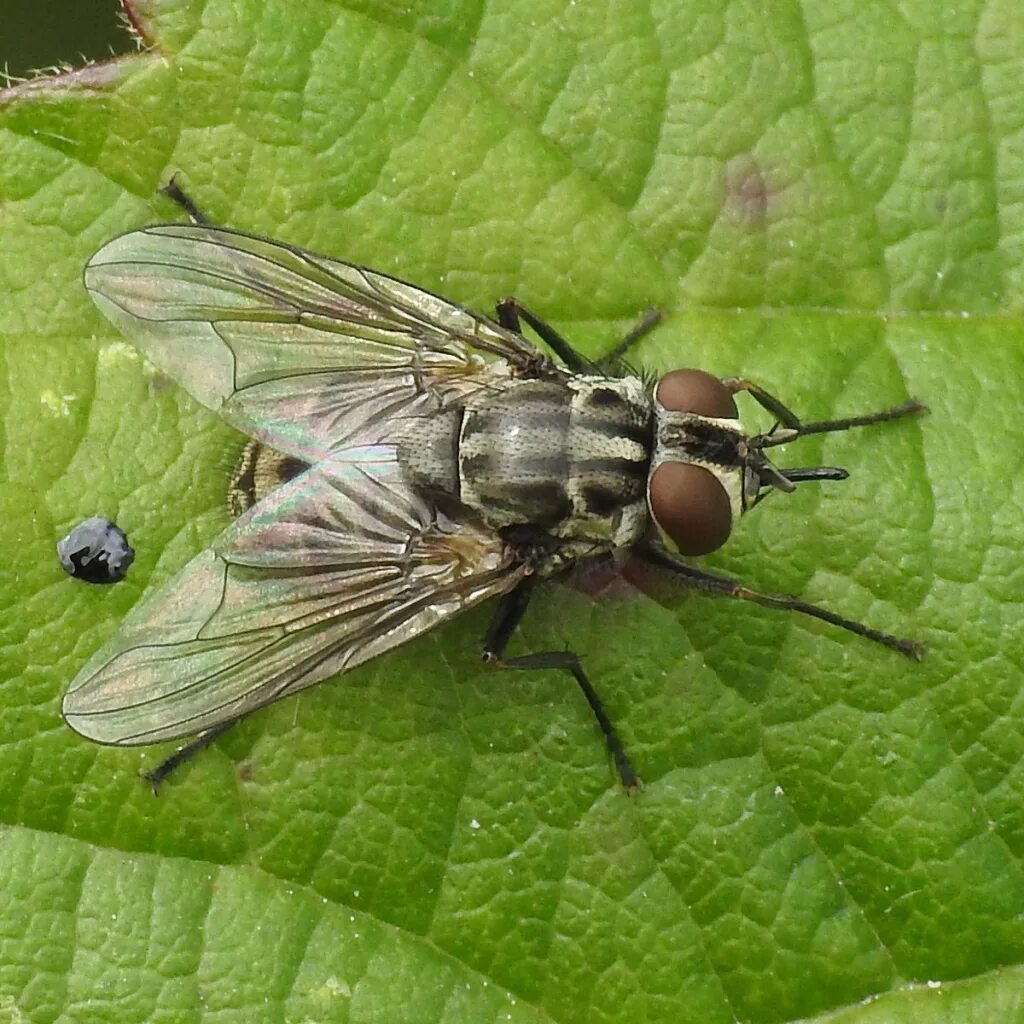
<point x="772" y="476"/>
<point x="801" y="474"/>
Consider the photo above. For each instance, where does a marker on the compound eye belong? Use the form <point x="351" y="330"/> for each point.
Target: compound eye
<point x="698" y="392"/>
<point x="691" y="506"/>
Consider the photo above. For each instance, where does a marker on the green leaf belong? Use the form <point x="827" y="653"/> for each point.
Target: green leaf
<point x="825" y="198"/>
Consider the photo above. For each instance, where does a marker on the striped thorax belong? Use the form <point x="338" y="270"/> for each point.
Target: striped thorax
<point x="569" y="455"/>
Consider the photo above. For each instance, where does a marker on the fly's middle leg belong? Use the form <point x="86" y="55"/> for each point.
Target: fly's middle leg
<point x="611" y="360"/>
<point x="508" y="616"/>
<point x="510" y="310"/>
<point x="685" y="575"/>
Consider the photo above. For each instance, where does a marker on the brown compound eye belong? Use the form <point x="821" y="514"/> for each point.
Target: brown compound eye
<point x="691" y="506"/>
<point x="698" y="392"/>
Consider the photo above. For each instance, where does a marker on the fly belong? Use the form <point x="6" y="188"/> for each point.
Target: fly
<point x="423" y="459"/>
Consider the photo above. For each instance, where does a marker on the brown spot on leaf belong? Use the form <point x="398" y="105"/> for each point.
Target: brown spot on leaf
<point x="747" y="190"/>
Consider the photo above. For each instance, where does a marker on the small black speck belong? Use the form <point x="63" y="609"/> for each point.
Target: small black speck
<point x="96" y="551"/>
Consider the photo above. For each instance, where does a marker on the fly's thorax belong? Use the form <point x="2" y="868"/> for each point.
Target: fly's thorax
<point x="567" y="454"/>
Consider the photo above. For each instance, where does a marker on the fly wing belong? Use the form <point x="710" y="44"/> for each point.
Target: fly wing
<point x="295" y="349"/>
<point x="333" y="568"/>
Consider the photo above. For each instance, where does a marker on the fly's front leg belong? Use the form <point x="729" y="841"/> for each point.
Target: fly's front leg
<point x="685" y="575"/>
<point x="176" y="193"/>
<point x="508" y="616"/>
<point x="158" y="775"/>
<point x="793" y="423"/>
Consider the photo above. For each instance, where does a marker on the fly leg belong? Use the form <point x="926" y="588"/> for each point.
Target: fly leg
<point x="159" y="774"/>
<point x="176" y="193"/>
<point x="795" y="427"/>
<point x="509" y="614"/>
<point x="723" y="586"/>
<point x="510" y="310"/>
<point x="612" y="359"/>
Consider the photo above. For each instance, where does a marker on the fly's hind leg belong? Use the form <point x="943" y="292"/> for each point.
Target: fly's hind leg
<point x="158" y="775"/>
<point x="176" y="193"/>
<point x="508" y="616"/>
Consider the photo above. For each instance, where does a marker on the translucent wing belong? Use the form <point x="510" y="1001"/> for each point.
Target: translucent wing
<point x="297" y="350"/>
<point x="337" y="566"/>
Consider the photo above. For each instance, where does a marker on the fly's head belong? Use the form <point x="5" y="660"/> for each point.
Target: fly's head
<point x="707" y="470"/>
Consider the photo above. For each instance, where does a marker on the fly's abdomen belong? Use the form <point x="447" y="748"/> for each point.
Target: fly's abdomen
<point x="569" y="456"/>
